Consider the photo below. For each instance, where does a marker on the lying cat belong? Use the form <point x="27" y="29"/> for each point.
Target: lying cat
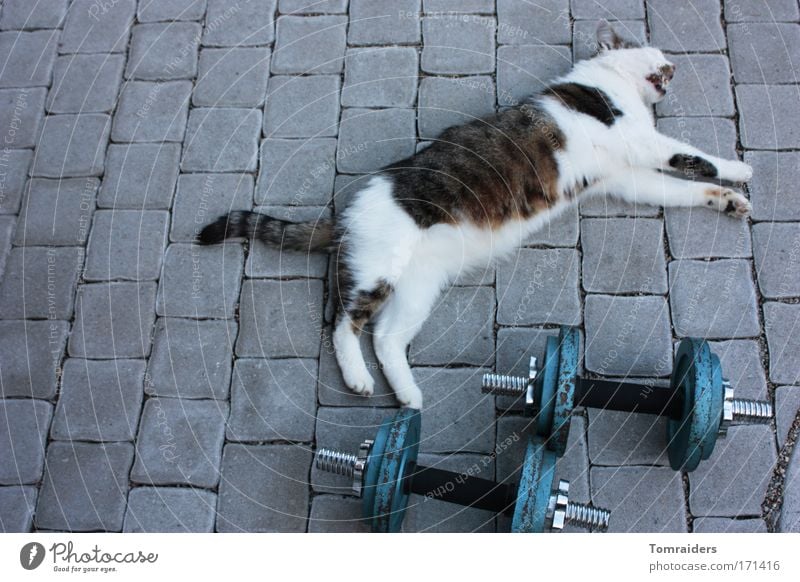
<point x="481" y="188"/>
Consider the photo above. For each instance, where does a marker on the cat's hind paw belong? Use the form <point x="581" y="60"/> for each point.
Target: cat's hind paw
<point x="410" y="398"/>
<point x="736" y="171"/>
<point x="359" y="382"/>
<point x="729" y="201"/>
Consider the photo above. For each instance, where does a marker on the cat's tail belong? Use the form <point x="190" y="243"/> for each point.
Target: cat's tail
<point x="315" y="235"/>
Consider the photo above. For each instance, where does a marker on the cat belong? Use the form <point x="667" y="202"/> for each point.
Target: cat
<point x="478" y="190"/>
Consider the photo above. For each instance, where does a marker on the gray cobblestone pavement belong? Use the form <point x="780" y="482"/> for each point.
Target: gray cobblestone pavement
<point x="147" y="384"/>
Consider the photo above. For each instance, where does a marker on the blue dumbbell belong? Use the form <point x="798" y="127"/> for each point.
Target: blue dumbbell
<point x="699" y="402"/>
<point x="385" y="474"/>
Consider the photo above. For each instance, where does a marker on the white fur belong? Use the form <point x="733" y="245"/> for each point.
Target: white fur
<point x="624" y="160"/>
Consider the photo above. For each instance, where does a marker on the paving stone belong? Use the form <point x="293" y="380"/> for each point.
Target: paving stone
<point x="702" y="87"/>
<point x="85" y="487"/>
<point x="191" y="359"/>
<point x="32" y="362"/>
<point x="85" y="83"/>
<point x="39" y="283"/>
<point x="713" y="135"/>
<point x="765" y="118"/>
<point x="728" y="312"/>
<point x="200" y="282"/>
<point x="72" y="145"/>
<point x="312" y="6"/>
<point x="235" y="77"/>
<point x="201" y="198"/>
<point x="155" y="10"/>
<point x="724" y="525"/>
<point x="99" y="401"/>
<point x="479" y="6"/>
<point x="21" y="14"/>
<point x="623" y="255"/>
<point x="27" y="58"/>
<point x="459" y="330"/>
<point x="772" y="185"/>
<point x="698" y="233"/>
<point x="481" y="276"/>
<point x="140" y="176"/>
<point x="222" y="140"/>
<point x="14" y="166"/>
<point x="787" y="404"/>
<point x="539" y="286"/>
<point x="16" y="509"/>
<point x="170" y="510"/>
<point x="302" y="106"/>
<point x="690" y="27"/>
<point x="460" y="418"/>
<point x="97" y="27"/>
<point x="57" y="212"/>
<point x="380" y="77"/>
<point x="128" y="305"/>
<point x="733" y="481"/>
<point x="21" y="115"/>
<point x="126" y="244"/>
<point x="7" y="226"/>
<point x="264" y="488"/>
<point x="164" y="51"/>
<point x="384" y="22"/>
<point x="370" y="139"/>
<point x="790" y="512"/>
<point x="273" y="400"/>
<point x="761" y="10"/>
<point x="266" y="261"/>
<point x="23" y="433"/>
<point x="334" y="514"/>
<point x="180" y="442"/>
<point x="780" y="324"/>
<point x="764" y="52"/>
<point x="458" y="45"/>
<point x="515" y="346"/>
<point x="525" y="69"/>
<point x="777" y="256"/>
<point x="280" y="319"/>
<point x="296" y="172"/>
<point x="343" y="429"/>
<point x="445" y="102"/>
<point x="331" y="388"/>
<point x="741" y="364"/>
<point x="584" y="35"/>
<point x="616" y="9"/>
<point x="621" y="438"/>
<point x="432" y="515"/>
<point x="542" y="22"/>
<point x="641" y="499"/>
<point x="628" y="336"/>
<point x="249" y="24"/>
<point x="310" y="44"/>
<point x="152" y="111"/>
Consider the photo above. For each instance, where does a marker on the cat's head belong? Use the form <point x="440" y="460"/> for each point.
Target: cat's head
<point x="646" y="67"/>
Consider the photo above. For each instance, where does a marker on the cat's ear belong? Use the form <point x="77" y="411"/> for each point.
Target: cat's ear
<point x="608" y="39"/>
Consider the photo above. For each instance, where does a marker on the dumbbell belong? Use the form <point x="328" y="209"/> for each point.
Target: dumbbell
<point x="385" y="473"/>
<point x="699" y="403"/>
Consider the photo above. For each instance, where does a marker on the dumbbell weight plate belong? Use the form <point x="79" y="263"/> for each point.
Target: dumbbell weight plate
<point x="396" y="446"/>
<point x="535" y="487"/>
<point x="569" y="346"/>
<point x="697" y="374"/>
<point x="548" y="382"/>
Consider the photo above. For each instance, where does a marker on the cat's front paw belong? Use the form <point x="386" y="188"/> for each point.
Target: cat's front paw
<point x="729" y="201"/>
<point x="736" y="171"/>
<point x="410" y="397"/>
<point x="359" y="382"/>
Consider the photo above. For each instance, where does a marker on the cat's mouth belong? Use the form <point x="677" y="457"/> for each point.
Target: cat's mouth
<point x="661" y="79"/>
